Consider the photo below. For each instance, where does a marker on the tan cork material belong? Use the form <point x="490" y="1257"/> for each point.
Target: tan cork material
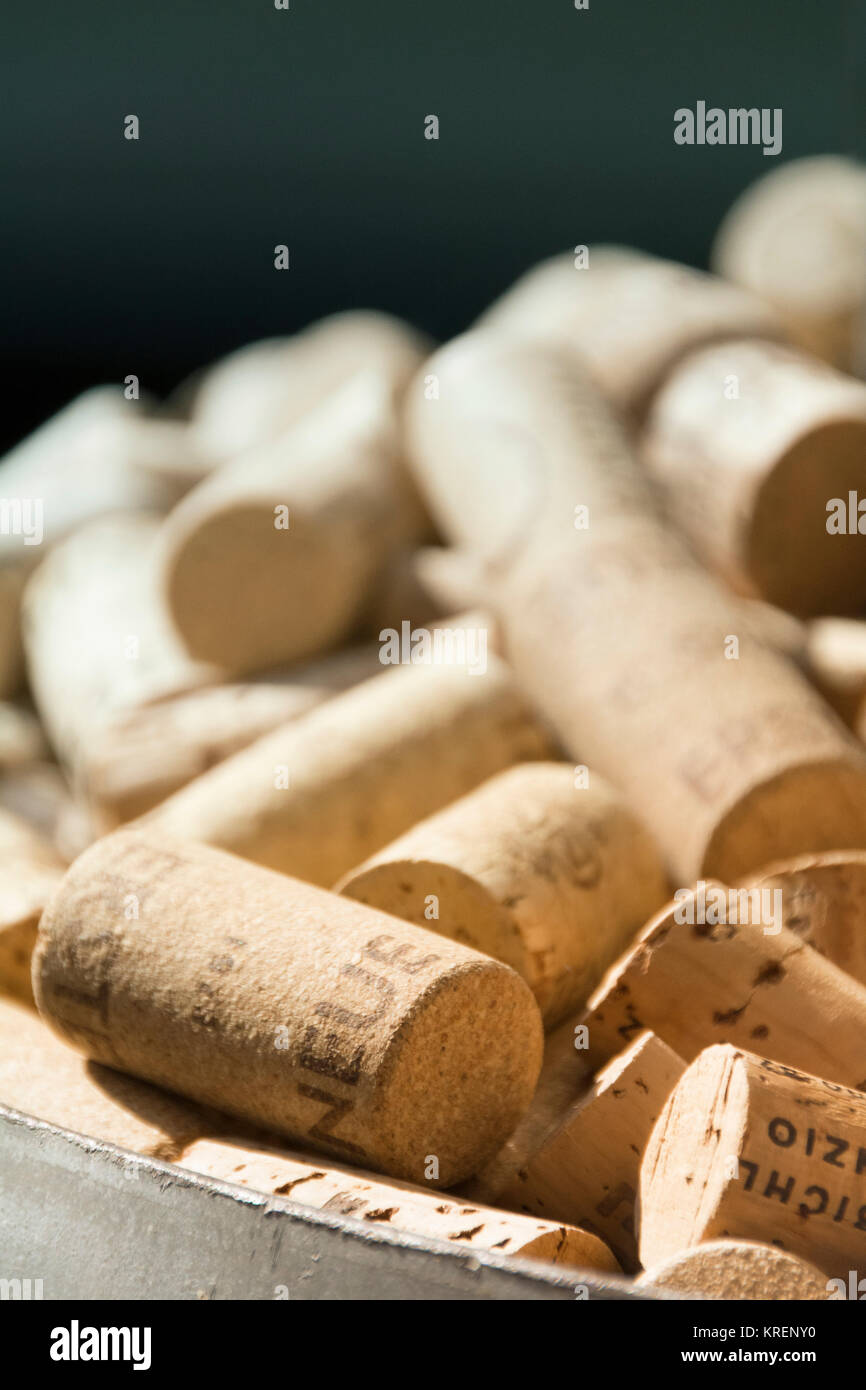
<point x="750" y="1149"/>
<point x="722" y="978"/>
<point x="587" y="1171"/>
<point x="337" y="1026"/>
<point x="275" y="556"/>
<point x="796" y="237"/>
<point x="627" y="317"/>
<point x="42" y="1077"/>
<point x="144" y="754"/>
<point x="97" y="638"/>
<point x="399" y="1206"/>
<point x="82" y="463"/>
<point x="320" y="795"/>
<point x="649" y="671"/>
<point x="548" y="875"/>
<point x="738" y="1270"/>
<point x="751" y="443"/>
<point x="256" y="393"/>
<point x="823" y="898"/>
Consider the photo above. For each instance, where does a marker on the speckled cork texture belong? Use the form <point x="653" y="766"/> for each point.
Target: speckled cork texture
<point x="703" y="981"/>
<point x="740" y="1270"/>
<point x="320" y="795"/>
<point x="358" y="1195"/>
<point x="750" y="1149"/>
<point x="332" y="1024"/>
<point x="549" y="875"/>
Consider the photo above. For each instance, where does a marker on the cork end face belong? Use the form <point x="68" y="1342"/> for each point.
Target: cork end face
<point x="807" y="808"/>
<point x="804" y="551"/>
<point x="247" y="594"/>
<point x="739" y="1270"/>
<point x="445" y="900"/>
<point x="461" y="1072"/>
<point x="691" y="1155"/>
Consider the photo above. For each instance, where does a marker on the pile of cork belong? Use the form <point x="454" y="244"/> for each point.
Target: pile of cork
<point x="432" y="784"/>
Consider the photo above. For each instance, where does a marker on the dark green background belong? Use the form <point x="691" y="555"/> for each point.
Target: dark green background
<point x="261" y="126"/>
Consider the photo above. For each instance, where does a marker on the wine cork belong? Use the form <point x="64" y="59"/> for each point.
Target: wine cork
<point x="823" y="901"/>
<point x="738" y="1270"/>
<point x="627" y="317"/>
<point x="648" y="671"/>
<point x="80" y="464"/>
<point x="330" y="1023"/>
<point x="320" y="795"/>
<point x="590" y="1162"/>
<point x="566" y="1075"/>
<point x="750" y="1149"/>
<point x="836" y="662"/>
<point x="262" y="389"/>
<point x="30" y="871"/>
<point x="535" y="868"/>
<point x="275" y="556"/>
<point x="143" y="754"/>
<point x="718" y="966"/>
<point x="97" y="637"/>
<point x="797" y="238"/>
<point x="360" y="1196"/>
<point x="756" y="447"/>
<point x="41" y="1077"/>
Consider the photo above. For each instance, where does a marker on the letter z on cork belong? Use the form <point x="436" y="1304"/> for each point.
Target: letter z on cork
<point x="329" y="1022"/>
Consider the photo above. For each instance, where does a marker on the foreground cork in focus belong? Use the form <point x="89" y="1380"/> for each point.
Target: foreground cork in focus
<point x="797" y="238"/>
<point x="359" y="1195"/>
<point x="530" y="868"/>
<point x="750" y="443"/>
<point x="647" y="669"/>
<point x="318" y="796"/>
<point x="710" y="969"/>
<point x="750" y="1149"/>
<point x="738" y="1269"/>
<point x="333" y="1024"/>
